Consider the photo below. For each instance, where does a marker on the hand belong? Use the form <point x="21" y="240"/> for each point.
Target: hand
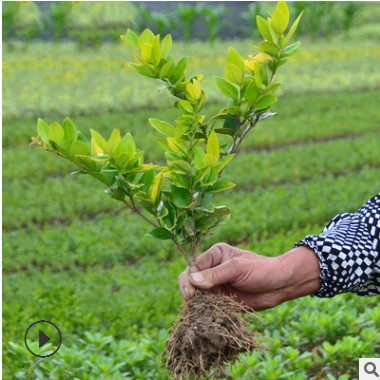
<point x="259" y="282"/>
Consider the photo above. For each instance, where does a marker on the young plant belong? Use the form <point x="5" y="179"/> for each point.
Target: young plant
<point x="178" y="199"/>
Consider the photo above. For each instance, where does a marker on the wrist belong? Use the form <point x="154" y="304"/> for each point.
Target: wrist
<point x="301" y="272"/>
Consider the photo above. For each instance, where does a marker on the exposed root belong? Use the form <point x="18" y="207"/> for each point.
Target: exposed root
<point x="209" y="333"/>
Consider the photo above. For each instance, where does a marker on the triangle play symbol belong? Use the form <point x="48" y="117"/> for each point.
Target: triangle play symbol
<point x="42" y="339"/>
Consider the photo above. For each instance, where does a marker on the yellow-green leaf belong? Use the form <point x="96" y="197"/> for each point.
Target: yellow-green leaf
<point x="265" y="102"/>
<point x="280" y="17"/>
<point x="79" y="147"/>
<point x="98" y="144"/>
<point x="162" y="127"/>
<point x="146" y="51"/>
<point x="114" y="141"/>
<point x="233" y="73"/>
<point x="258" y="75"/>
<point x="213" y="145"/>
<point x="167" y="70"/>
<point x="156" y="188"/>
<point x="192" y="92"/>
<point x="235" y="58"/>
<point x="43" y="130"/>
<point x="227" y="88"/>
<point x="70" y="133"/>
<point x="292" y="30"/>
<point x="210" y="161"/>
<point x="156" y="51"/>
<point x="262" y="24"/>
<point x="146" y="36"/>
<point x="55" y="132"/>
<point x="166" y="46"/>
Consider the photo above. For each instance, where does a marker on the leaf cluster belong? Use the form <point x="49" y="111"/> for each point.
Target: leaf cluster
<point x="178" y="198"/>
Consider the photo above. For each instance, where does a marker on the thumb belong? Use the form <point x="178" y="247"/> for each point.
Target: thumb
<point x="220" y="274"/>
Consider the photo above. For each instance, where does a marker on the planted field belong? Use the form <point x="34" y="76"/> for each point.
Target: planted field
<point x="75" y="257"/>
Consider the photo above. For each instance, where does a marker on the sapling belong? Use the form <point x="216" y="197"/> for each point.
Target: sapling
<point x="178" y="199"/>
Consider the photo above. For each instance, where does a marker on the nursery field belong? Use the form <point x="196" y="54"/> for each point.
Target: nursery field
<point x="73" y="256"/>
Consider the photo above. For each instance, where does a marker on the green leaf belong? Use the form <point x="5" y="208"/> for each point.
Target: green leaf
<point x="167" y="70"/>
<point x="98" y="144"/>
<point x="220" y="186"/>
<point x="156" y="51"/>
<point x="224" y="162"/>
<point x="79" y="147"/>
<point x="236" y="59"/>
<point x="233" y="73"/>
<point x="147" y="179"/>
<point x="102" y="177"/>
<point x="55" y="133"/>
<point x="213" y="145"/>
<point x="268" y="47"/>
<point x="273" y="32"/>
<point x="156" y="189"/>
<point x="258" y="75"/>
<point x="82" y="137"/>
<point x="192" y="92"/>
<point x="198" y="158"/>
<point x="180" y="70"/>
<point x="166" y="46"/>
<point x="227" y="88"/>
<point x="220" y="211"/>
<point x="70" y="133"/>
<point x="43" y="130"/>
<point x="292" y="30"/>
<point x="280" y="17"/>
<point x="59" y="148"/>
<point x="181" y="197"/>
<point x="262" y="24"/>
<point x="186" y="106"/>
<point x="140" y="169"/>
<point x="251" y="92"/>
<point x="87" y="162"/>
<point x="146" y="36"/>
<point x="146" y="52"/>
<point x="161" y="233"/>
<point x="291" y="50"/>
<point x="143" y="70"/>
<point x="130" y="38"/>
<point x="114" y="141"/>
<point x="178" y="146"/>
<point x="265" y="102"/>
<point x="225" y="131"/>
<point x="210" y="160"/>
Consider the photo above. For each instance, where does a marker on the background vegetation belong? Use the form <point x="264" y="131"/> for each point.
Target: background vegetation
<point x="72" y="257"/>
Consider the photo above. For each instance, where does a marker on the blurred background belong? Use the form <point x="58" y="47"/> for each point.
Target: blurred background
<point x="73" y="256"/>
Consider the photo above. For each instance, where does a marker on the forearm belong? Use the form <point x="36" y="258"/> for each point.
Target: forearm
<point x="301" y="272"/>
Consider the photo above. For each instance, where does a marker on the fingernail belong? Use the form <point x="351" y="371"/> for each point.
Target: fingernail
<point x="187" y="293"/>
<point x="197" y="277"/>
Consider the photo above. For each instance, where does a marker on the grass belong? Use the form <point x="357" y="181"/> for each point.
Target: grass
<point x="73" y="256"/>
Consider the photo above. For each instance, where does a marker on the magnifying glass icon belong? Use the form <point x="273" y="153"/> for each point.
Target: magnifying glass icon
<point x="370" y="368"/>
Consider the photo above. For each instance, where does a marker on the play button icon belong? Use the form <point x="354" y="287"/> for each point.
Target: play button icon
<point x="43" y="339"/>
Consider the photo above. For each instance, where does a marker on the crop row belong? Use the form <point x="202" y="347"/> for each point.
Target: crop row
<point x="31" y="89"/>
<point x="24" y="203"/>
<point x="78" y="247"/>
<point x="299" y="118"/>
<point x="249" y="169"/>
<point x="131" y="327"/>
<point x="108" y="238"/>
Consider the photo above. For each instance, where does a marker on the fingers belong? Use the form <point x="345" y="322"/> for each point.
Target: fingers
<point x="221" y="274"/>
<point x="216" y="255"/>
<point x="185" y="287"/>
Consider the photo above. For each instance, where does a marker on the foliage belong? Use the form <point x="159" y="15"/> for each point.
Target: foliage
<point x="184" y="209"/>
<point x="253" y="10"/>
<point x="212" y="20"/>
<point x="60" y="14"/>
<point x="91" y="22"/>
<point x="23" y="18"/>
<point x="95" y="273"/>
<point x="188" y="15"/>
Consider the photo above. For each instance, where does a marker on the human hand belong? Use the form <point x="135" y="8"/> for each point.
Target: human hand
<point x="258" y="282"/>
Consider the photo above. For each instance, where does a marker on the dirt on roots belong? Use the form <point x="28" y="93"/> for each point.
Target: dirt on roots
<point x="211" y="331"/>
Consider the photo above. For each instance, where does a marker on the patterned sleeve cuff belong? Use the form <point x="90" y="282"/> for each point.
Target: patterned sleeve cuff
<point x="348" y="253"/>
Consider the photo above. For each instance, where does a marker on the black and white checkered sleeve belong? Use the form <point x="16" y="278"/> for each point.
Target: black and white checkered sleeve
<point x="349" y="252"/>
